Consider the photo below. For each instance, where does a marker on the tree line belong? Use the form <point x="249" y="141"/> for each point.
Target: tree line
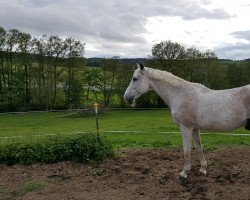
<point x="50" y="72"/>
<point x="34" y="70"/>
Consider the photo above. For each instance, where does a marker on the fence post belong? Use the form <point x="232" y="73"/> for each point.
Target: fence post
<point x="96" y="117"/>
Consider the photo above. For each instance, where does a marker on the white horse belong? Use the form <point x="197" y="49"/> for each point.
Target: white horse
<point x="193" y="107"/>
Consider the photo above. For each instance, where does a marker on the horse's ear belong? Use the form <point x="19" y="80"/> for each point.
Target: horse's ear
<point x="137" y="66"/>
<point x="141" y="66"/>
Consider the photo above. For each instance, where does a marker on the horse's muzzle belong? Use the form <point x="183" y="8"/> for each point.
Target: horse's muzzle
<point x="129" y="99"/>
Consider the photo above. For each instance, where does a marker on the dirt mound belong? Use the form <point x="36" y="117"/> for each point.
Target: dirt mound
<point x="135" y="174"/>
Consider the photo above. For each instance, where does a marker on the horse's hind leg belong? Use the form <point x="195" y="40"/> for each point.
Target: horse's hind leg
<point x="186" y="137"/>
<point x="198" y="147"/>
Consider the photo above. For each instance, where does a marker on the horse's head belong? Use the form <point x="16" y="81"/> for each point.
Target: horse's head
<point x="138" y="85"/>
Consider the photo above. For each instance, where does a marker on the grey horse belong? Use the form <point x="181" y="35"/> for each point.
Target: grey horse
<point x="193" y="107"/>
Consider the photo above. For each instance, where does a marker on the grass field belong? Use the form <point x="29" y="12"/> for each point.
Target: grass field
<point x="149" y="122"/>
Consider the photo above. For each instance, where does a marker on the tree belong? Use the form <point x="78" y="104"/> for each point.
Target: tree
<point x="197" y="64"/>
<point x="11" y="41"/>
<point x="193" y="60"/>
<point x="166" y="53"/>
<point x="92" y="83"/>
<point x="75" y="64"/>
<point x="2" y="45"/>
<point x="35" y="70"/>
<point x="24" y="40"/>
<point x="57" y="49"/>
<point x="109" y="77"/>
<point x="39" y="72"/>
<point x="124" y="74"/>
<point x="238" y="74"/>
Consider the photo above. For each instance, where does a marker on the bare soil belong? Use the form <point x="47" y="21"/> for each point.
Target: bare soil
<point x="134" y="174"/>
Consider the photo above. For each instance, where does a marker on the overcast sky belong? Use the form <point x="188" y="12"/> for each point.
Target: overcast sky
<point x="129" y="28"/>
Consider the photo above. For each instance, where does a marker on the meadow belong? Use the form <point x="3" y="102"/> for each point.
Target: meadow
<point x="124" y="128"/>
<point x="149" y="157"/>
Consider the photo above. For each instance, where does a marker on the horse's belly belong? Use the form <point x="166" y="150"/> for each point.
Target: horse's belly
<point x="220" y="126"/>
<point x="222" y="122"/>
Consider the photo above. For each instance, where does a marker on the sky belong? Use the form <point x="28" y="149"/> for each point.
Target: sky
<point x="130" y="28"/>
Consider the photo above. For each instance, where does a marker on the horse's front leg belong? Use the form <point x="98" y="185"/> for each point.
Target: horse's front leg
<point x="198" y="147"/>
<point x="186" y="138"/>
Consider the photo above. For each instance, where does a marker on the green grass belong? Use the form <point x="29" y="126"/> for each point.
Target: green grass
<point x="54" y="123"/>
<point x="210" y="142"/>
<point x="150" y="122"/>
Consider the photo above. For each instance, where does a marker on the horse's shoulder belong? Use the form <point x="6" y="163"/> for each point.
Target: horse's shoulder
<point x="185" y="111"/>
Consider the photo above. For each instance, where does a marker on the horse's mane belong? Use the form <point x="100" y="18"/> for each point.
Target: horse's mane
<point x="156" y="74"/>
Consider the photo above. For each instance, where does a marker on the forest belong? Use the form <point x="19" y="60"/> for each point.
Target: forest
<point x="50" y="72"/>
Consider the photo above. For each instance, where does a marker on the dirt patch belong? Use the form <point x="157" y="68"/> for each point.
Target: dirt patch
<point x="135" y="174"/>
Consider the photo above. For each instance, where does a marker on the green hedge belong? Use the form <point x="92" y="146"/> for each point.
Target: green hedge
<point x="81" y="148"/>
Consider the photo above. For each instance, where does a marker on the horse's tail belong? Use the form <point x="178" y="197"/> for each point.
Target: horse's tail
<point x="247" y="124"/>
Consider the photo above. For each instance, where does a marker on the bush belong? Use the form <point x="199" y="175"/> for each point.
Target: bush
<point x="81" y="148"/>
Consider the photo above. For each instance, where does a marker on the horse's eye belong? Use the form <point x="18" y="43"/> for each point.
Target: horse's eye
<point x="135" y="79"/>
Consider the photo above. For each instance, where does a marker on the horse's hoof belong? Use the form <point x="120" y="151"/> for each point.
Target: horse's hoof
<point x="203" y="171"/>
<point x="183" y="174"/>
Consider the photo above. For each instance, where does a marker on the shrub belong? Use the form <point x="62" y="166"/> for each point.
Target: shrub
<point x="80" y="148"/>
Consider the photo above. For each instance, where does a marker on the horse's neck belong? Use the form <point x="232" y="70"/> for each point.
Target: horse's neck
<point x="167" y="92"/>
<point x="170" y="87"/>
